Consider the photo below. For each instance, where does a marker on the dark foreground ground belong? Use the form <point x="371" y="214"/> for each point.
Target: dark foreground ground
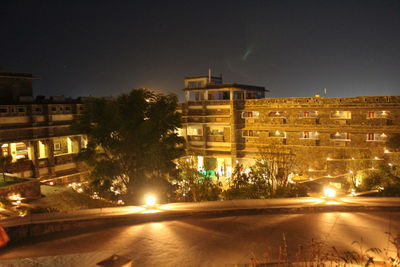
<point x="206" y="241"/>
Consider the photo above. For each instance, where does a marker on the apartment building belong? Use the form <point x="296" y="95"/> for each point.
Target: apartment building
<point x="329" y="136"/>
<point x="36" y="131"/>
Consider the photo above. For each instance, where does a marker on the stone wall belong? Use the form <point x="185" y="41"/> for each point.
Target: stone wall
<point x="29" y="189"/>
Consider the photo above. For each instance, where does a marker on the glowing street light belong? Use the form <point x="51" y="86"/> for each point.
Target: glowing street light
<point x="329" y="192"/>
<point x="150" y="201"/>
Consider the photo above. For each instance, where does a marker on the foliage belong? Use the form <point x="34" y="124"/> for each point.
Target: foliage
<point x="246" y="186"/>
<point x="4" y="202"/>
<point x="318" y="253"/>
<point x="394" y="142"/>
<point x="193" y="185"/>
<point x="132" y="143"/>
<point x="35" y="210"/>
<point x="4" y="162"/>
<point x="383" y="177"/>
<point x="268" y="178"/>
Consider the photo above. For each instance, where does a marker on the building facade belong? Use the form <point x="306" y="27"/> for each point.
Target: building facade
<point x="36" y="132"/>
<point x="330" y="137"/>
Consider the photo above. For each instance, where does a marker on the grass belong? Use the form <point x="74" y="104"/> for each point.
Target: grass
<point x="318" y="254"/>
<point x="66" y="199"/>
<point x="5" y="183"/>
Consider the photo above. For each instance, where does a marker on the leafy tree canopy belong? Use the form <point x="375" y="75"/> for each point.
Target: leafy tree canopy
<point x="132" y="143"/>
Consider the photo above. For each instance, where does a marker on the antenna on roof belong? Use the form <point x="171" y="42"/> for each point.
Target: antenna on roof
<point x="325" y="92"/>
<point x="209" y="75"/>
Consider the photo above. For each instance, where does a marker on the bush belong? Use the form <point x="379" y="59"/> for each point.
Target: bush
<point x="4" y="202"/>
<point x="385" y="178"/>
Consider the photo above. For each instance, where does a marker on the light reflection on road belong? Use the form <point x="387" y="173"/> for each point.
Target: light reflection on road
<point x="215" y="241"/>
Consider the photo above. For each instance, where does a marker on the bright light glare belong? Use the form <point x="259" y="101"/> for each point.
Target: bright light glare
<point x="329" y="192"/>
<point x="150" y="200"/>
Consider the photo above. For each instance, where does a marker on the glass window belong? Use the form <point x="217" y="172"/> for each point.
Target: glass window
<point x="340" y="136"/>
<point x="194" y="131"/>
<point x="376" y="137"/>
<point x="250" y="133"/>
<point x="215" y="130"/>
<point x="377" y="114"/>
<point x="308" y="114"/>
<point x="309" y="135"/>
<point x="340" y="114"/>
<point x="250" y="114"/>
<point x="277" y="134"/>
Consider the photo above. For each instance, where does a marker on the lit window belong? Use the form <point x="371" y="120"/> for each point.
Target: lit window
<point x="194" y="131"/>
<point x="376" y="137"/>
<point x="340" y="114"/>
<point x="250" y="114"/>
<point x="340" y="136"/>
<point x="21" y="151"/>
<point x="377" y="114"/>
<point x="309" y="135"/>
<point x="277" y="134"/>
<point x="277" y="114"/>
<point x="308" y="114"/>
<point x="250" y="133"/>
<point x="215" y="130"/>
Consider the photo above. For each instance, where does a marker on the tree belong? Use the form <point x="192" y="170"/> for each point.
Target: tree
<point x="194" y="185"/>
<point x="274" y="166"/>
<point x="4" y="162"/>
<point x="246" y="185"/>
<point x="132" y="143"/>
<point x="394" y="142"/>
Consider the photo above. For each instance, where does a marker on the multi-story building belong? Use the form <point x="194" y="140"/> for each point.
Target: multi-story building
<point x="329" y="136"/>
<point x="36" y="132"/>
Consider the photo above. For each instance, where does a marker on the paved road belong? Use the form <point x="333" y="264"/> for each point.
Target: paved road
<point x="203" y="207"/>
<point x="205" y="242"/>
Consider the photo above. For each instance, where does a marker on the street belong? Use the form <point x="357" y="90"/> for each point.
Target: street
<point x="206" y="242"/>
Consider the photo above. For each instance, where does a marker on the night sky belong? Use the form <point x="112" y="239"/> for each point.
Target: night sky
<point x="293" y="48"/>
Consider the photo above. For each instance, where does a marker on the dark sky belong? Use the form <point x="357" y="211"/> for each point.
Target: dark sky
<point x="294" y="48"/>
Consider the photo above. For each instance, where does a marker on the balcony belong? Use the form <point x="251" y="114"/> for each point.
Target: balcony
<point x="195" y="138"/>
<point x="20" y="166"/>
<point x="216" y="138"/>
<point x="63" y="159"/>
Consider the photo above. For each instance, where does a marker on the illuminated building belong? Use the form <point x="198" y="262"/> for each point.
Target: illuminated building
<point x="36" y="131"/>
<point x="228" y="123"/>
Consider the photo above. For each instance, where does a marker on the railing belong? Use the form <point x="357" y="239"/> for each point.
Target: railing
<point x="22" y="165"/>
<point x="63" y="159"/>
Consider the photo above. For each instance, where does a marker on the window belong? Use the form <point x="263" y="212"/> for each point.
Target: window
<point x="53" y="109"/>
<point x="309" y="135"/>
<point x="68" y="108"/>
<point x="308" y="114"/>
<point x="21" y="109"/>
<point x="194" y="131"/>
<point x="3" y="110"/>
<point x="376" y="137"/>
<point x="38" y="109"/>
<point x="21" y="151"/>
<point x="238" y="95"/>
<point x="250" y="133"/>
<point x="377" y="114"/>
<point x="277" y="114"/>
<point x="277" y="134"/>
<point x="215" y="130"/>
<point x="340" y="136"/>
<point x="250" y="114"/>
<point x="340" y="114"/>
<point x="195" y="84"/>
